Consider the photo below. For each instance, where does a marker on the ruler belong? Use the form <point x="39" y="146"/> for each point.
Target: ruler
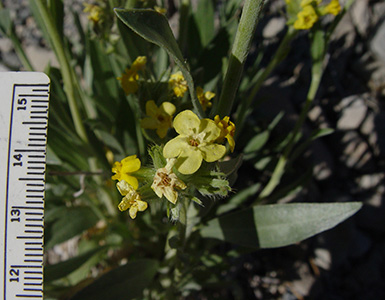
<point x="23" y="137"/>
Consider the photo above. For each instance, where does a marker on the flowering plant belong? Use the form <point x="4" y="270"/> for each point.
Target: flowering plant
<point x="151" y="139"/>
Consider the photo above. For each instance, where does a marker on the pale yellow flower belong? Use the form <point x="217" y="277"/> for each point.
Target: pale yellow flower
<point x="195" y="142"/>
<point x="159" y="118"/>
<point x="178" y="84"/>
<point x="166" y="181"/>
<point x="95" y="12"/>
<point x="124" y="168"/>
<point x="131" y="199"/>
<point x="204" y="98"/>
<point x="160" y="10"/>
<point x="333" y="8"/>
<point x="139" y="63"/>
<point x="227" y="130"/>
<point x="129" y="81"/>
<point x="306" y="18"/>
<point x="310" y="2"/>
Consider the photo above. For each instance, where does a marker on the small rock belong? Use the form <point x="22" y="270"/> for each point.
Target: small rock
<point x="323" y="258"/>
<point x="377" y="43"/>
<point x="361" y="16"/>
<point x="273" y="27"/>
<point x="3" y="68"/>
<point x="41" y="57"/>
<point x="356" y="152"/>
<point x="353" y="110"/>
<point x="370" y="181"/>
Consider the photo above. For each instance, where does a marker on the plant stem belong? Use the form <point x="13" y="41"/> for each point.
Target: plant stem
<point x="282" y="162"/>
<point x="261" y="76"/>
<point x="66" y="70"/>
<point x="241" y="47"/>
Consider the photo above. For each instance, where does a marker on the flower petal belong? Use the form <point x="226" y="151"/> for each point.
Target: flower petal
<point x="212" y="152"/>
<point x="174" y="147"/>
<point x="211" y="130"/>
<point x="130" y="164"/>
<point x="149" y="123"/>
<point x="171" y="195"/>
<point x="189" y="161"/>
<point x="133" y="211"/>
<point x="131" y="180"/>
<point x="123" y="187"/>
<point x="162" y="131"/>
<point x="186" y="123"/>
<point x="142" y="205"/>
<point x="151" y="108"/>
<point x="168" y="108"/>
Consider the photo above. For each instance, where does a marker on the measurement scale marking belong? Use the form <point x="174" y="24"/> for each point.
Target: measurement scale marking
<point x="34" y="95"/>
<point x="40" y="90"/>
<point x="24" y="227"/>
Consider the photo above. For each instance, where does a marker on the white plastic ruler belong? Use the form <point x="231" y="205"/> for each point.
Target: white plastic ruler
<point x="23" y="137"/>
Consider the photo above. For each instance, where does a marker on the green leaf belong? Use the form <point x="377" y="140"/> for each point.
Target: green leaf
<point x="123" y="283"/>
<point x="61" y="269"/>
<point x="205" y="21"/>
<point x="56" y="8"/>
<point x="321" y="132"/>
<point x="71" y="222"/>
<point x="5" y="22"/>
<point x="278" y="225"/>
<point x="154" y="27"/>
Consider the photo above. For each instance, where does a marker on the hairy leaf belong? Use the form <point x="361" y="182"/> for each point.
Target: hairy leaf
<point x="277" y="225"/>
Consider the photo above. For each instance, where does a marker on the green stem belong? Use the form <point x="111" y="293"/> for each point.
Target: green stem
<point x="178" y="269"/>
<point x="261" y="76"/>
<point x="241" y="47"/>
<point x="282" y="162"/>
<point x="66" y="70"/>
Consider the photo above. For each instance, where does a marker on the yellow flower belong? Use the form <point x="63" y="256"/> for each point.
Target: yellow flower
<point x="204" y="98"/>
<point x="139" y="63"/>
<point x="195" y="142"/>
<point x="94" y="12"/>
<point x="160" y="10"/>
<point x="129" y="81"/>
<point x="178" y="84"/>
<point x="124" y="168"/>
<point x="306" y="18"/>
<point x="309" y="2"/>
<point x="131" y="199"/>
<point x="159" y="118"/>
<point x="333" y="8"/>
<point x="227" y="130"/>
<point x="165" y="182"/>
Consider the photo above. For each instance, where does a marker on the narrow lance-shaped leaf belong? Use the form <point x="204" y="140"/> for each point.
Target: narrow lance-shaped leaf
<point x="278" y="225"/>
<point x="61" y="269"/>
<point x="125" y="282"/>
<point x="154" y="27"/>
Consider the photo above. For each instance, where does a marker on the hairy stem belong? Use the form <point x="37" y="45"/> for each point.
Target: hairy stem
<point x="241" y="47"/>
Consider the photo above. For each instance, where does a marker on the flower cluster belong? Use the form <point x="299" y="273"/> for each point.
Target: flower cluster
<point x="129" y="79"/>
<point x="305" y="13"/>
<point x="184" y="160"/>
<point x="178" y="84"/>
<point x="95" y="13"/>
